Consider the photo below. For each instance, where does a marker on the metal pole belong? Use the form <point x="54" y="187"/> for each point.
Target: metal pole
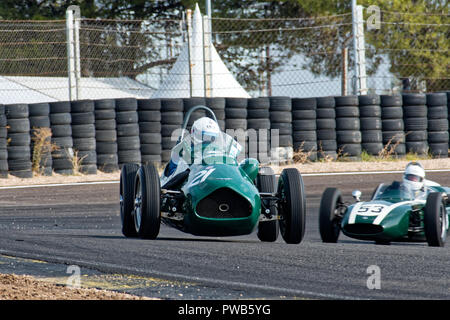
<point x="188" y="29"/>
<point x="344" y="90"/>
<point x="209" y="14"/>
<point x="70" y="51"/>
<point x="355" y="46"/>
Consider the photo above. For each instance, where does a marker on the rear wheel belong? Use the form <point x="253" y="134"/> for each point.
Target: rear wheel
<point x="329" y="219"/>
<point x="291" y="205"/>
<point x="147" y="214"/>
<point x="127" y="177"/>
<point x="267" y="230"/>
<point x="435" y="220"/>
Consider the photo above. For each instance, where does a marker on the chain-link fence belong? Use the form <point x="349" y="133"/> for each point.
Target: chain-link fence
<point x="304" y="57"/>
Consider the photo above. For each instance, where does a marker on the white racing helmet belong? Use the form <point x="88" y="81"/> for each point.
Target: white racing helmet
<point x="414" y="176"/>
<point x="204" y="130"/>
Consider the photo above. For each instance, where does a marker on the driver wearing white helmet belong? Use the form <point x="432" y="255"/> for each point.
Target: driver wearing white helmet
<point x="414" y="180"/>
<point x="204" y="131"/>
<point x="414" y="176"/>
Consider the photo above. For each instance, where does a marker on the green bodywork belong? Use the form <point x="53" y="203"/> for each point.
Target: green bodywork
<point x="390" y="216"/>
<point x="208" y="177"/>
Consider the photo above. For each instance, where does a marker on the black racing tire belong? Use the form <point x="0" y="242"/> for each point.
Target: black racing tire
<point x="127" y="130"/>
<point x="325" y="102"/>
<point x="326" y="113"/>
<point x="172" y="105"/>
<point x="258" y="124"/>
<point x="347" y="124"/>
<point x="329" y="222"/>
<point x="127" y="177"/>
<point x="60" y="118"/>
<point x="149" y="104"/>
<point x="415" y="111"/>
<point x="126" y="104"/>
<point x="105" y="114"/>
<point x="60" y="107"/>
<point x="38" y="109"/>
<point x="367" y="100"/>
<point x="370" y="124"/>
<point x="304" y="104"/>
<point x="281" y="116"/>
<point x="414" y="99"/>
<point x="347" y="112"/>
<point x="291" y="205"/>
<point x="258" y="103"/>
<point x="81" y="106"/>
<point x="346" y="101"/>
<point x="304" y="125"/>
<point x="394" y="112"/>
<point x="126" y="117"/>
<point x="268" y="231"/>
<point x="105" y="104"/>
<point x="391" y="100"/>
<point x="16" y="111"/>
<point x="149" y="116"/>
<point x="147" y="215"/>
<point x="437" y="99"/>
<point x="435" y="220"/>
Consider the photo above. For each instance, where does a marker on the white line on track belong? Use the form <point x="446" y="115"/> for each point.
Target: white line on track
<point x="303" y="174"/>
<point x="180" y="277"/>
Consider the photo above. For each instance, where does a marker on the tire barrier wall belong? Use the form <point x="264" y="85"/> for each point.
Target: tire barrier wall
<point x="109" y="132"/>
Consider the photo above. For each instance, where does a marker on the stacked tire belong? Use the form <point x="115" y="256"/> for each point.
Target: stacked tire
<point x="326" y="128"/>
<point x="236" y="122"/>
<point x="127" y="126"/>
<point x="438" y="136"/>
<point x="281" y="119"/>
<point x="83" y="134"/>
<point x="370" y="124"/>
<point x="3" y="143"/>
<point x="149" y="114"/>
<point x="348" y="134"/>
<point x="304" y="126"/>
<point x="19" y="149"/>
<point x="106" y="135"/>
<point x="392" y="124"/>
<point x="217" y="105"/>
<point x="416" y="123"/>
<point x="171" y="122"/>
<point x="41" y="150"/>
<point x="61" y="126"/>
<point x="258" y="129"/>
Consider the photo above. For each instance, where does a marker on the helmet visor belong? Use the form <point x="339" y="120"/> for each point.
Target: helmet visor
<point x="413" y="177"/>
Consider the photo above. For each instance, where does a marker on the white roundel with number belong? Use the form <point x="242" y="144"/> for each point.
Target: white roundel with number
<point x="367" y="209"/>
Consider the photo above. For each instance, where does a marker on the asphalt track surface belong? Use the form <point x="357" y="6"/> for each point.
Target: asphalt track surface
<point x="80" y="225"/>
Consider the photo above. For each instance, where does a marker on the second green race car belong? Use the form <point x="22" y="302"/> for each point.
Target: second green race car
<point x="392" y="214"/>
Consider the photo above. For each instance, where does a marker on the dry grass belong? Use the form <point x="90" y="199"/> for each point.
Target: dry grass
<point x="301" y="155"/>
<point x="42" y="147"/>
<point x="76" y="162"/>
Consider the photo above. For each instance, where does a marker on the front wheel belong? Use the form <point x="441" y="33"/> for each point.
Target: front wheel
<point x="127" y="177"/>
<point x="147" y="214"/>
<point x="291" y="205"/>
<point x="329" y="220"/>
<point x="435" y="220"/>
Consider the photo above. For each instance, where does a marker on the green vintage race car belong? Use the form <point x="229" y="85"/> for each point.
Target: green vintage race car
<point x="392" y="214"/>
<point x="214" y="197"/>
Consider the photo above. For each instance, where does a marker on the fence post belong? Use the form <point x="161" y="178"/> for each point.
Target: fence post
<point x="73" y="51"/>
<point x="360" y="83"/>
<point x="344" y="90"/>
<point x="207" y="63"/>
<point x="188" y="34"/>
